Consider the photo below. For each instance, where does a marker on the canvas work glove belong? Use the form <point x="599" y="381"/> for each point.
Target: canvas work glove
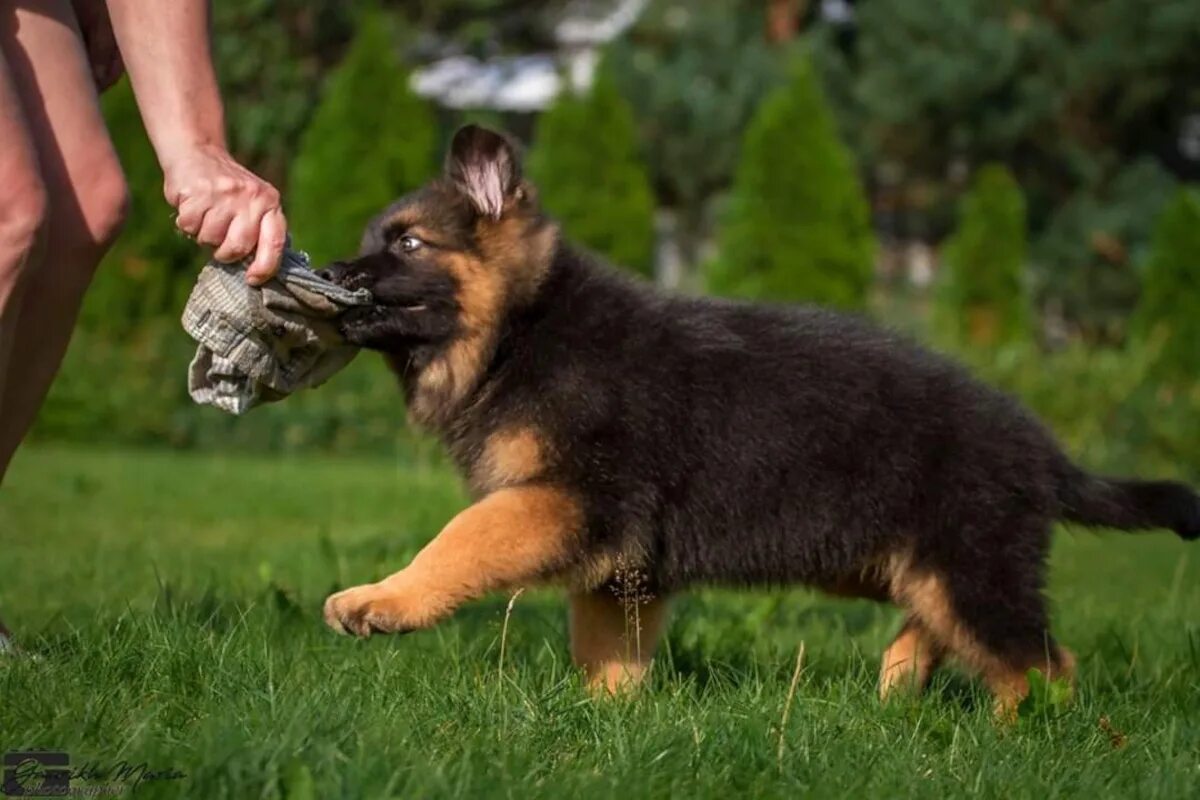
<point x="260" y="344"/>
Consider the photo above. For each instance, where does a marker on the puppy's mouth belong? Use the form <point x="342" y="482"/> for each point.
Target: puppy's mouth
<point x="398" y="304"/>
<point x="355" y="280"/>
<point x="351" y="280"/>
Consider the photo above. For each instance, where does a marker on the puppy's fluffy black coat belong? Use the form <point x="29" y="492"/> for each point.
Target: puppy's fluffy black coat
<point x="706" y="441"/>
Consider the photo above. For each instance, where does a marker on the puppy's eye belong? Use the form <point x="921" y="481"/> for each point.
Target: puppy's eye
<point x="409" y="243"/>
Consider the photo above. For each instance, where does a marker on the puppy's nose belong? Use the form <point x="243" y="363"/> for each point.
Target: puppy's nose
<point x="328" y="273"/>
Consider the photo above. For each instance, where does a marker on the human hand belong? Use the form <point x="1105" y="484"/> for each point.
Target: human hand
<point x="96" y="29"/>
<point x="226" y="206"/>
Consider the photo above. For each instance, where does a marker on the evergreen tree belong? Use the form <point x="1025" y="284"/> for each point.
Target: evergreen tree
<point x="982" y="298"/>
<point x="1169" y="309"/>
<point x="694" y="74"/>
<point x="586" y="167"/>
<point x="371" y="140"/>
<point x="798" y="226"/>
<point x="270" y="56"/>
<point x="1081" y="99"/>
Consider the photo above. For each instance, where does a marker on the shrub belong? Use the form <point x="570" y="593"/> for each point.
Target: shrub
<point x="133" y="391"/>
<point x="586" y="167"/>
<point x="370" y="140"/>
<point x="1168" y="313"/>
<point x="797" y="227"/>
<point x="982" y="298"/>
<point x="1038" y="86"/>
<point x="694" y="73"/>
<point x="1086" y="259"/>
<point x="1104" y="405"/>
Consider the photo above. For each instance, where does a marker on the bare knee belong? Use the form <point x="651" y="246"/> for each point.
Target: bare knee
<point x="103" y="198"/>
<point x="25" y="212"/>
<point x="89" y="200"/>
<point x="23" y="203"/>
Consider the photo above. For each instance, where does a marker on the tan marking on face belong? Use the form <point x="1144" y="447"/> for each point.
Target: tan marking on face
<point x="521" y="248"/>
<point x="403" y="219"/>
<point x="514" y="254"/>
<point x="509" y="456"/>
<point x="427" y="235"/>
<point x="513" y="537"/>
<point x="451" y="376"/>
<point x="613" y="641"/>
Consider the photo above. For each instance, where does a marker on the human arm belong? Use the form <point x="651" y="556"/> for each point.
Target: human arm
<point x="165" y="46"/>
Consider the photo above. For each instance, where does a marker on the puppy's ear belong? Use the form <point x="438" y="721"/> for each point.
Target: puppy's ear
<point x="485" y="166"/>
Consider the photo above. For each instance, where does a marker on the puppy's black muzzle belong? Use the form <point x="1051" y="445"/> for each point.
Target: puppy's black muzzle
<point x="346" y="275"/>
<point x="331" y="272"/>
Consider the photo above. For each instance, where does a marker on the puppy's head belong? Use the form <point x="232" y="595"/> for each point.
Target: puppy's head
<point x="446" y="265"/>
<point x="451" y="259"/>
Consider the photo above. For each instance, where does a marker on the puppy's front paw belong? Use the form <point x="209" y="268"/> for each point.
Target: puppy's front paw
<point x="386" y="607"/>
<point x="361" y="611"/>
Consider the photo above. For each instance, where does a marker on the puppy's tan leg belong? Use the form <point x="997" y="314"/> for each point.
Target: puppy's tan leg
<point x="909" y="660"/>
<point x="508" y="538"/>
<point x="928" y="596"/>
<point x="1009" y="682"/>
<point x="613" y="640"/>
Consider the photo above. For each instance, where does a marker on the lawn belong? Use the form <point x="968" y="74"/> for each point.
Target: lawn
<point x="170" y="609"/>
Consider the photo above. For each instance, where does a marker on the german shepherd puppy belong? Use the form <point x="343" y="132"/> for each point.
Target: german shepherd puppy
<point x="609" y="430"/>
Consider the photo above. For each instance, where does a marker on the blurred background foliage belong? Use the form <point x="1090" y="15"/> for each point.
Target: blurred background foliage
<point x="1009" y="179"/>
<point x="590" y="176"/>
<point x="694" y="76"/>
<point x="1168" y="314"/>
<point x="797" y="225"/>
<point x="982" y="294"/>
<point x="370" y="140"/>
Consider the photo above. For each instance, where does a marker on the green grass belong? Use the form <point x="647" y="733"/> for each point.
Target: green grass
<point x="172" y="606"/>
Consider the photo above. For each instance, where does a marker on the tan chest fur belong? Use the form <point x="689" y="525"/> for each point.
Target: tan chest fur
<point x="509" y="457"/>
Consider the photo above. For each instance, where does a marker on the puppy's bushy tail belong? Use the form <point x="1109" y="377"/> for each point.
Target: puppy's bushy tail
<point x="1129" y="504"/>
